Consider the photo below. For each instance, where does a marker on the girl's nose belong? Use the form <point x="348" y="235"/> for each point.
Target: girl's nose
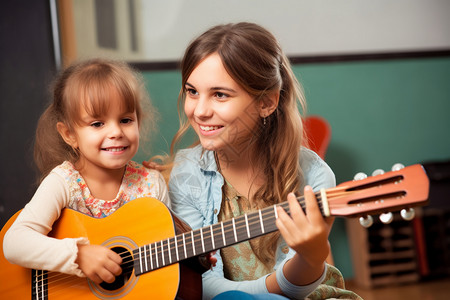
<point x="115" y="131"/>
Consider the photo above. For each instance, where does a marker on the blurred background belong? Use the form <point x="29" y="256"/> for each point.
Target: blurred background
<point x="377" y="71"/>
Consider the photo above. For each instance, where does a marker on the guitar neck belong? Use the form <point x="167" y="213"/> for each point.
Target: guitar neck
<point x="387" y="192"/>
<point x="206" y="239"/>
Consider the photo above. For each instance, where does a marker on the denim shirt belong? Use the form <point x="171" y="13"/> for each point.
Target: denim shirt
<point x="195" y="189"/>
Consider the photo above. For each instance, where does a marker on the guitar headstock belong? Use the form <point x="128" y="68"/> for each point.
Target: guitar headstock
<point x="402" y="188"/>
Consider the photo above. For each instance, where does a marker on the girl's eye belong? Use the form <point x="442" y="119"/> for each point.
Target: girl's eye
<point x="96" y="124"/>
<point x="126" y="121"/>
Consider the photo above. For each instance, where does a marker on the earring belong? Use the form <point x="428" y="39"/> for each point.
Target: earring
<point x="264" y="121"/>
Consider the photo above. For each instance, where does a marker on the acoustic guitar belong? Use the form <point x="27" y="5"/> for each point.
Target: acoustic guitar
<point x="154" y="244"/>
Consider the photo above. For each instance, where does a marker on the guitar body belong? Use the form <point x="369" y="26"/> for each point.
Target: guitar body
<point x="139" y="222"/>
<point x="13" y="278"/>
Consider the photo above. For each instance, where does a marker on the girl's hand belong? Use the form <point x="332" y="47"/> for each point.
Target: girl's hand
<point x="99" y="263"/>
<point x="306" y="233"/>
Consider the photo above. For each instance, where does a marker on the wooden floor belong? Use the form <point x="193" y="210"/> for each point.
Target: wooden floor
<point x="431" y="290"/>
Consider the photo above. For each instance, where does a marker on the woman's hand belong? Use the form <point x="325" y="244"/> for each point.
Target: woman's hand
<point x="306" y="233"/>
<point x="99" y="263"/>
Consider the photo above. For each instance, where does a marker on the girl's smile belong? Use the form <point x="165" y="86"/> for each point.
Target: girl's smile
<point x="114" y="149"/>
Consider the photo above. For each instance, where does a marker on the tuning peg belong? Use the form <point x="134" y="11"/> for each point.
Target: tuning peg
<point x="360" y="176"/>
<point x="386" y="218"/>
<point x="377" y="172"/>
<point x="408" y="214"/>
<point x="366" y="221"/>
<point x="397" y="166"/>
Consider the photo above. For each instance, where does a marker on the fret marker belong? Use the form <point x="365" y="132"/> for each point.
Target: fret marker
<point x="261" y="222"/>
<point x="246" y="225"/>
<point x="234" y="230"/>
<point x="326" y="208"/>
<point x="212" y="237"/>
<point x="223" y="234"/>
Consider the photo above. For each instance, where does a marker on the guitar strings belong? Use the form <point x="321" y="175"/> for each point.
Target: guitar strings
<point x="241" y="226"/>
<point x="253" y="218"/>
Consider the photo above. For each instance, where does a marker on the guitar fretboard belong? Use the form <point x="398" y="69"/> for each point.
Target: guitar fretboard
<point x="206" y="239"/>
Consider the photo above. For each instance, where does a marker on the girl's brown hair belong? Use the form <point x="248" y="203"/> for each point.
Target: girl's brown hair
<point x="87" y="84"/>
<point x="254" y="59"/>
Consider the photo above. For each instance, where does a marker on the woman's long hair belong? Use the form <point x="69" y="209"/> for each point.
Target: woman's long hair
<point x="254" y="59"/>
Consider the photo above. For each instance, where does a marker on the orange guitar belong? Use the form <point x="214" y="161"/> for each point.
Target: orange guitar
<point x="153" y="244"/>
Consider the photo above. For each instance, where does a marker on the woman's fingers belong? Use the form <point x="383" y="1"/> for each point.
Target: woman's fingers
<point x="312" y="207"/>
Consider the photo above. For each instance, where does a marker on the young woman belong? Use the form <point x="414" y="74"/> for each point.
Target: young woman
<point x="242" y="99"/>
<point x="85" y="141"/>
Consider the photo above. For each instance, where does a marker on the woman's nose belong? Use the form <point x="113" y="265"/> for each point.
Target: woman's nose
<point x="203" y="108"/>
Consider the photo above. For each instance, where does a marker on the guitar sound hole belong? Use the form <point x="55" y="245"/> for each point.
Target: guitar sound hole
<point x="127" y="270"/>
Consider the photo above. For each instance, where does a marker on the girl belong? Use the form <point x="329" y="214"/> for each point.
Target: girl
<point x="85" y="141"/>
<point x="241" y="97"/>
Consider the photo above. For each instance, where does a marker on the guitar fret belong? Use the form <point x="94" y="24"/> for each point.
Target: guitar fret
<point x="192" y="239"/>
<point x="275" y="210"/>
<point x="261" y="221"/>
<point x="184" y="246"/>
<point x="212" y="237"/>
<point x="201" y="238"/>
<point x="170" y="252"/>
<point x="246" y="225"/>
<point x="140" y="260"/>
<point x="234" y="230"/>
<point x="162" y="254"/>
<point x="223" y="234"/>
<point x="156" y="255"/>
<point x="176" y="249"/>
<point x="145" y="258"/>
<point x="151" y="257"/>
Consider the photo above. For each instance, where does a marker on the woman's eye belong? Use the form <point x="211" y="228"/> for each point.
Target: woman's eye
<point x="191" y="92"/>
<point x="221" y="95"/>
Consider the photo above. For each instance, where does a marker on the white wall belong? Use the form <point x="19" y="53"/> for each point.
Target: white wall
<point x="304" y="28"/>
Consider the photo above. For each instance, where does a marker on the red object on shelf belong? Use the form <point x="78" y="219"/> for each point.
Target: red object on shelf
<point x="318" y="134"/>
